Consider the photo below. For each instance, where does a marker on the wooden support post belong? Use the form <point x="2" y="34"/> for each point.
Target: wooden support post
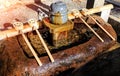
<point x="90" y="4"/>
<point x="96" y="3"/>
<point x="105" y="14"/>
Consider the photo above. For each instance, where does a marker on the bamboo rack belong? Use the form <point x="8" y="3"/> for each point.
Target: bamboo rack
<point x="26" y="28"/>
<point x="19" y="26"/>
<point x="35" y="26"/>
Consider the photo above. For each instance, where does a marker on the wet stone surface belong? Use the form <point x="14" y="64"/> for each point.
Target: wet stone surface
<point x="15" y="62"/>
<point x="104" y="65"/>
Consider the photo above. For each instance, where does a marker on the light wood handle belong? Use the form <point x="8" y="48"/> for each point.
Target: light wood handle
<point x="102" y="28"/>
<point x="35" y="25"/>
<point x="32" y="50"/>
<point x="45" y="46"/>
<point x="92" y="30"/>
<point x="19" y="27"/>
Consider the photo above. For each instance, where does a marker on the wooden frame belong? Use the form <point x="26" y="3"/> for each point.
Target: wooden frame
<point x="96" y="3"/>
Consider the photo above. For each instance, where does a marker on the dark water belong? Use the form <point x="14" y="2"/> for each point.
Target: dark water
<point x="104" y="65"/>
<point x="107" y="64"/>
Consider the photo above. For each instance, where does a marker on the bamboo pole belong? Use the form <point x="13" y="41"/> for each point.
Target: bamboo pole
<point x="27" y="28"/>
<point x="98" y="9"/>
<point x="35" y="26"/>
<point x="92" y="11"/>
<point x="45" y="46"/>
<point x="92" y="29"/>
<point x="102" y="28"/>
<point x="32" y="50"/>
<point x="76" y="13"/>
<point x="19" y="26"/>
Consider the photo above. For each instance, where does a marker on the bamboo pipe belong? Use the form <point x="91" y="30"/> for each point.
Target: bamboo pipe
<point x="98" y="9"/>
<point x="35" y="26"/>
<point x="27" y="28"/>
<point x="19" y="26"/>
<point x="13" y="32"/>
<point x="76" y="13"/>
<point x="102" y="28"/>
<point x="92" y="11"/>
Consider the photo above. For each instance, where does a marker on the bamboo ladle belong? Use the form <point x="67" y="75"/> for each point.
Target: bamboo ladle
<point x="19" y="26"/>
<point x="33" y="23"/>
<point x="77" y="14"/>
